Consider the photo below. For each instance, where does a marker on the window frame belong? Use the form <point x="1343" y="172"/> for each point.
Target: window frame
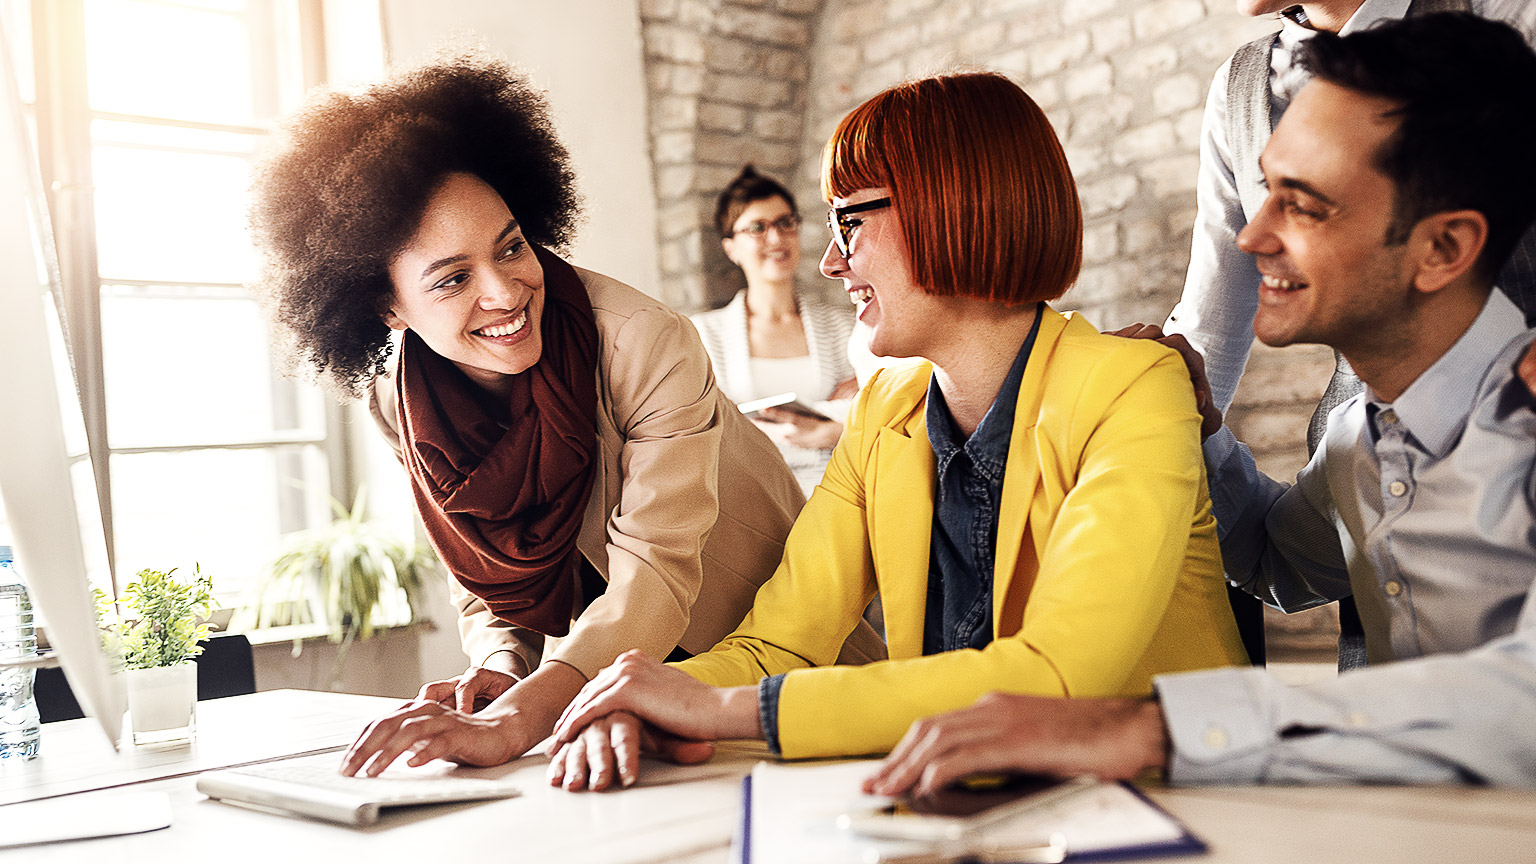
<point x="63" y="119"/>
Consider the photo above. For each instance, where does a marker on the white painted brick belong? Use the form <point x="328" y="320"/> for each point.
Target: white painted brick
<point x="890" y="43"/>
<point x="1101" y="242"/>
<point x="1109" y="194"/>
<point x="1161" y="17"/>
<point x="747" y="90"/>
<point x="787" y="65"/>
<point x="672" y="148"/>
<point x="1172" y="175"/>
<point x="1187" y="128"/>
<point x="1053" y="55"/>
<point x="767" y="26"/>
<point x="675" y="112"/>
<point x="1098" y="121"/>
<point x="1143" y="235"/>
<point x="719" y="117"/>
<point x="674" y="43"/>
<point x="1095" y="80"/>
<point x="1111" y="35"/>
<point x="981" y="39"/>
<point x="1177" y="93"/>
<point x="1152" y="141"/>
<point x="777" y="125"/>
<point x="733" y="55"/>
<point x="1075" y="12"/>
<point x="798" y="7"/>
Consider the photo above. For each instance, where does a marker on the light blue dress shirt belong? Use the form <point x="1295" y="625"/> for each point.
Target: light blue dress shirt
<point x="1425" y="510"/>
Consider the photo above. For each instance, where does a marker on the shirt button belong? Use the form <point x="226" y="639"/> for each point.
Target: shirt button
<point x="1397" y="488"/>
<point x="1216" y="739"/>
<point x="1393" y="588"/>
<point x="1389" y="416"/>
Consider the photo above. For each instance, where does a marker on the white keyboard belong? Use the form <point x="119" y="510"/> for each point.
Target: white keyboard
<point x="312" y="787"/>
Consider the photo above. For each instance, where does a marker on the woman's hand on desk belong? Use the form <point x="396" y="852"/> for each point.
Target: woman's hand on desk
<point x="470" y="692"/>
<point x="503" y="731"/>
<point x="640" y="700"/>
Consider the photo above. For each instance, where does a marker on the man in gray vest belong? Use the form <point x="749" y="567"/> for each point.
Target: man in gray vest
<point x="1221" y="290"/>
<point x="1399" y="180"/>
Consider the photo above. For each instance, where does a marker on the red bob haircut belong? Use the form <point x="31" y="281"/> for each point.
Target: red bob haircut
<point x="978" y="180"/>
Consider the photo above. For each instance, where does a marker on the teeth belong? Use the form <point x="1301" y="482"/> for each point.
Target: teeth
<point x="861" y="295"/>
<point x="1282" y="284"/>
<point x="506" y="329"/>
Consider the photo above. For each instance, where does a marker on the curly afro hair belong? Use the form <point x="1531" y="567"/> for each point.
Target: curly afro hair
<point x="348" y="177"/>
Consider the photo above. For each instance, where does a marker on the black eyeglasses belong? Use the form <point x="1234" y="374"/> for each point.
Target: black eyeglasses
<point x="842" y="227"/>
<point x="789" y="223"/>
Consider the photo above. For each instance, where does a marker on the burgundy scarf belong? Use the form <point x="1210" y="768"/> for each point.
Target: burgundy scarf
<point x="503" y="506"/>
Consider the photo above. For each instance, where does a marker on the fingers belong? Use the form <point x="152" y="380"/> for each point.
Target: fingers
<point x="624" y="737"/>
<point x="441" y="692"/>
<point x="479" y="687"/>
<point x="575" y="778"/>
<point x="1527" y="368"/>
<point x="1139" y="331"/>
<point x="388" y="737"/>
<point x="600" y="757"/>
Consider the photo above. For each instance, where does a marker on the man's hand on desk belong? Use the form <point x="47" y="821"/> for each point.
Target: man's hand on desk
<point x="640" y="701"/>
<point x="1112" y="738"/>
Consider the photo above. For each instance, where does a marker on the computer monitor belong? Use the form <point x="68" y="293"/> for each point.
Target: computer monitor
<point x="51" y="505"/>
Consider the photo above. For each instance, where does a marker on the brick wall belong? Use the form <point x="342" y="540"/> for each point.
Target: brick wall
<point x="1123" y="82"/>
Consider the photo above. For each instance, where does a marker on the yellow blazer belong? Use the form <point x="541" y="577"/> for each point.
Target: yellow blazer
<point x="1107" y="568"/>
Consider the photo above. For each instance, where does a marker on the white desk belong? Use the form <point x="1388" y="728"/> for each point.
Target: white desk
<point x="686" y="814"/>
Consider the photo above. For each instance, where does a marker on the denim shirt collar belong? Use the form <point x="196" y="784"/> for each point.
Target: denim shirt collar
<point x="988" y="445"/>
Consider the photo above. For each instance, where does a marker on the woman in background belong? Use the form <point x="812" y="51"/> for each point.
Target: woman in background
<point x="1029" y="499"/>
<point x="589" y="489"/>
<point x="772" y="337"/>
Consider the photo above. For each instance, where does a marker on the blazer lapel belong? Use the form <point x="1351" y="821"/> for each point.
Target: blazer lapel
<point x="901" y="504"/>
<point x="1022" y="474"/>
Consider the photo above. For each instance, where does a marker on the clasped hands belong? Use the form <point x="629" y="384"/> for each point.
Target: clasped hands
<point x="640" y="705"/>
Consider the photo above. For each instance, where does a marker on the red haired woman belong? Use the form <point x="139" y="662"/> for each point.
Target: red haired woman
<point x="1027" y="496"/>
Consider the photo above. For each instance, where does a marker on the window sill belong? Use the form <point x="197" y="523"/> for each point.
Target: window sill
<point x="314" y="632"/>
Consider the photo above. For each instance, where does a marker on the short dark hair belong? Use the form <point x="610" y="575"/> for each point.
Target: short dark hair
<point x="1466" y="93"/>
<point x="979" y="183"/>
<point x="346" y="181"/>
<point x="746" y="189"/>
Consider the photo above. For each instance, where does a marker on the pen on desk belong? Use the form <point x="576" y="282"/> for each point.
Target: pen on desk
<point x="1052" y="852"/>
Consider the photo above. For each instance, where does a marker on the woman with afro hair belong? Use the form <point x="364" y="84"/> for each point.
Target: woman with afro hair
<point x="577" y="469"/>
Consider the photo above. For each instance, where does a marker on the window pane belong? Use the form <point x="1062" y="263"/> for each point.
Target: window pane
<point x="188" y="366"/>
<point x="223" y="509"/>
<point x="170" y="60"/>
<point x="16" y="25"/>
<point x="168" y="215"/>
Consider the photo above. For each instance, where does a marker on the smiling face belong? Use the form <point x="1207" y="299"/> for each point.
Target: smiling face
<point x="904" y="320"/>
<point x="1320" y="239"/>
<point x="772" y="256"/>
<point x="468" y="283"/>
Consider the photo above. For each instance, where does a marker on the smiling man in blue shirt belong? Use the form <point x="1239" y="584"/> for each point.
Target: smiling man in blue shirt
<point x="1399" y="180"/>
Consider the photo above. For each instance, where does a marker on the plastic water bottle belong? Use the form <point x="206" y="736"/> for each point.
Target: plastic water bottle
<point x="18" y="641"/>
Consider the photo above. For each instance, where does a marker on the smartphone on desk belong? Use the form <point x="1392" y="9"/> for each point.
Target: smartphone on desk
<point x="963" y="810"/>
<point x="783" y="401"/>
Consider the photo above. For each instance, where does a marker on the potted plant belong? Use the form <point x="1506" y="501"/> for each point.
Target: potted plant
<point x="345" y="575"/>
<point x="163" y="626"/>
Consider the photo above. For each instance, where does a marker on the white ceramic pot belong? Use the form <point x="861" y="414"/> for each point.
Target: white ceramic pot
<point x="162" y="703"/>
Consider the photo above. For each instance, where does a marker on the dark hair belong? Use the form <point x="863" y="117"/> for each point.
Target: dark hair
<point x="349" y="175"/>
<point x="747" y="188"/>
<point x="978" y="180"/>
<point x="1466" y="93"/>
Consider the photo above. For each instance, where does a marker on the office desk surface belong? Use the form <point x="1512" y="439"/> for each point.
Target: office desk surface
<point x="686" y="814"/>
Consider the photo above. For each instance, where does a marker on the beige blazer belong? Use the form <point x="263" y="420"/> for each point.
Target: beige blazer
<point x="688" y="513"/>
